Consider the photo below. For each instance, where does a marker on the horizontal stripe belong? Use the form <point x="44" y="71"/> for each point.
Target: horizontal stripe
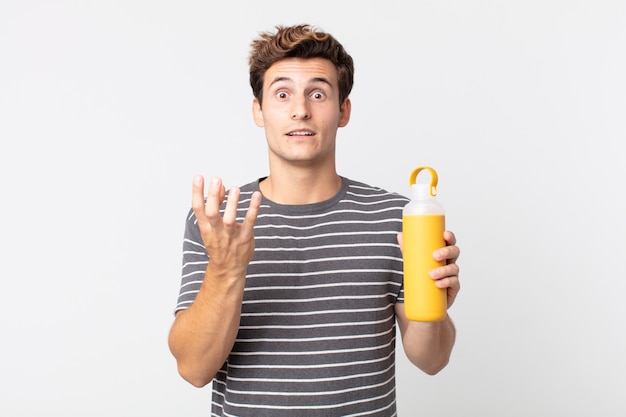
<point x="312" y="366"/>
<point x="312" y="353"/>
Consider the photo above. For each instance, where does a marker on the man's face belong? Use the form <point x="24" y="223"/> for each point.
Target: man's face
<point x="301" y="111"/>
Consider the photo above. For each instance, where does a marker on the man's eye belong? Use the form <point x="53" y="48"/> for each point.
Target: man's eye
<point x="281" y="94"/>
<point x="318" y="95"/>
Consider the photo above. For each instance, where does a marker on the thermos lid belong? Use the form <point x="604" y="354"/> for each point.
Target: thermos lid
<point x="421" y="191"/>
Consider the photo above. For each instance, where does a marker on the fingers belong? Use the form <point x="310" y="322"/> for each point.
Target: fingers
<point x="447" y="276"/>
<point x="253" y="209"/>
<point x="208" y="211"/>
<point x="449" y="237"/>
<point x="230" y="212"/>
<point x="215" y="197"/>
<point x="451" y="252"/>
<point x="197" y="197"/>
<point x="450" y="270"/>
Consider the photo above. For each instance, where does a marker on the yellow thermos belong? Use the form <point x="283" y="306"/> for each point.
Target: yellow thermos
<point x="423" y="224"/>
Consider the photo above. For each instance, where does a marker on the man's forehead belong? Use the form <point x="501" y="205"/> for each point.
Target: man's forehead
<point x="312" y="70"/>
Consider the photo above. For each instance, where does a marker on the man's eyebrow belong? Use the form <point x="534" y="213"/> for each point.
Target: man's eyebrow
<point x="279" y="79"/>
<point x="313" y="80"/>
<point x="322" y="80"/>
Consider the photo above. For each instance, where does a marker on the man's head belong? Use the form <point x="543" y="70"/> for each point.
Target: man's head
<point x="300" y="41"/>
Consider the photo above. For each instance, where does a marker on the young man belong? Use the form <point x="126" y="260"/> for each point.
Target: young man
<point x="292" y="284"/>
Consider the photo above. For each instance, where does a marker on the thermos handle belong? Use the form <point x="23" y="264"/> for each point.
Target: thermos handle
<point x="433" y="178"/>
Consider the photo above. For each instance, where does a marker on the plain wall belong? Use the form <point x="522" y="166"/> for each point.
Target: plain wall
<point x="108" y="109"/>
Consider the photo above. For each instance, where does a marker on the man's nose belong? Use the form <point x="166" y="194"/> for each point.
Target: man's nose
<point x="300" y="109"/>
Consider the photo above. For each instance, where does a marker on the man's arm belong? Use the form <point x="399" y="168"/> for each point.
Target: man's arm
<point x="202" y="336"/>
<point x="428" y="345"/>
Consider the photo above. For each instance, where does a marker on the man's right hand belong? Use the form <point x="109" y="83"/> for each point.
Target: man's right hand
<point x="230" y="244"/>
<point x="203" y="335"/>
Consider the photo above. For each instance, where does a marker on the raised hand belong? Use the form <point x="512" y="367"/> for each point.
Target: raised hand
<point x="230" y="244"/>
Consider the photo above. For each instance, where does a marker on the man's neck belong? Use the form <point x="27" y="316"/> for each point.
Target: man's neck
<point x="300" y="187"/>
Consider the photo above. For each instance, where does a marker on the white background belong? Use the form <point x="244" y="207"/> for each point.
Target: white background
<point x="108" y="109"/>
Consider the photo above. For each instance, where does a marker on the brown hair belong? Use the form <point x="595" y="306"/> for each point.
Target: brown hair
<point x="300" y="41"/>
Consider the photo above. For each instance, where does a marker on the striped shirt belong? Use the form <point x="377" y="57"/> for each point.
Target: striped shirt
<point x="317" y="331"/>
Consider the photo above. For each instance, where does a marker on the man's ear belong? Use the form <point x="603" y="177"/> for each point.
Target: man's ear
<point x="257" y="113"/>
<point x="344" y="112"/>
